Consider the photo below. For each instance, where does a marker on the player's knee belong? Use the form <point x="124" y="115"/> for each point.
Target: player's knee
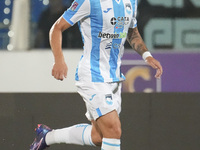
<point x="115" y="131"/>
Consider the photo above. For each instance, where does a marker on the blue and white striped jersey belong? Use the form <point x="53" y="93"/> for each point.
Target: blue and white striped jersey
<point x="104" y="26"/>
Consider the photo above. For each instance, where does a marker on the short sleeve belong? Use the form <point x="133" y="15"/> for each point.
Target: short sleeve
<point x="77" y="11"/>
<point x="133" y="19"/>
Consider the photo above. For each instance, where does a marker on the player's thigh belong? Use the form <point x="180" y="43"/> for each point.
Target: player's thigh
<point x="110" y="125"/>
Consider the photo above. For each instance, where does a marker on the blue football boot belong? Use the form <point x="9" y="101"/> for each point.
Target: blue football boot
<point x="39" y="141"/>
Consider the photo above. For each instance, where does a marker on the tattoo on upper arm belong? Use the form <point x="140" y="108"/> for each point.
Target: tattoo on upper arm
<point x="136" y="41"/>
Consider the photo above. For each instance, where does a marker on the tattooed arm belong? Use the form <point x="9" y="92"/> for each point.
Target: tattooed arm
<point x="137" y="43"/>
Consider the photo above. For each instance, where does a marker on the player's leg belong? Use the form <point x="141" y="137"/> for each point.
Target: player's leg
<point x="106" y="128"/>
<point x="110" y="127"/>
<point x="96" y="134"/>
<point x="107" y="119"/>
<point x="80" y="134"/>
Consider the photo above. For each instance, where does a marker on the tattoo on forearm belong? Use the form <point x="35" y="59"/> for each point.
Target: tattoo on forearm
<point x="136" y="42"/>
<point x="132" y="34"/>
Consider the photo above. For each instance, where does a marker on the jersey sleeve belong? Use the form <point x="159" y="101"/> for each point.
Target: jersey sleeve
<point x="133" y="23"/>
<point x="77" y="11"/>
<point x="133" y="19"/>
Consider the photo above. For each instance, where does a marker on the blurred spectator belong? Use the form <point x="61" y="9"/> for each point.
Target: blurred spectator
<point x="71" y="37"/>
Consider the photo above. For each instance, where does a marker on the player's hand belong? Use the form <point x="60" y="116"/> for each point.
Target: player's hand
<point x="60" y="70"/>
<point x="156" y="65"/>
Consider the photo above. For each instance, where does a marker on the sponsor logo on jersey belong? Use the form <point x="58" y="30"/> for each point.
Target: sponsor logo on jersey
<point x="109" y="45"/>
<point x="113" y="21"/>
<point x="112" y="35"/>
<point x="116" y="45"/>
<point x="119" y="22"/>
<point x="74" y="5"/>
<point x="112" y="45"/>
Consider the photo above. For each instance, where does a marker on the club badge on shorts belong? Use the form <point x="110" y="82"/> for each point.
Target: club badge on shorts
<point x="108" y="99"/>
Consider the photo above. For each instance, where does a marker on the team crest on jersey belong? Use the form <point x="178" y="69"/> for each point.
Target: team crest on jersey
<point x="128" y="8"/>
<point x="74" y="5"/>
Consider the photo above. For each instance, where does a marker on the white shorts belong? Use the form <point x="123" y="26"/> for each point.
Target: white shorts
<point x="100" y="98"/>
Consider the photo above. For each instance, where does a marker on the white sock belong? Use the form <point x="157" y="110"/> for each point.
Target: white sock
<point x="78" y="134"/>
<point x="110" y="144"/>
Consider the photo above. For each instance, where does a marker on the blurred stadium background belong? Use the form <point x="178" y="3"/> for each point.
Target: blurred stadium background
<point x="165" y="113"/>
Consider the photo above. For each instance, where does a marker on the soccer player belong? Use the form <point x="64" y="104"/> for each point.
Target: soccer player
<point x="105" y="25"/>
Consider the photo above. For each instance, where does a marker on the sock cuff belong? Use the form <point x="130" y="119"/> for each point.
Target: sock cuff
<point x="86" y="135"/>
<point x="110" y="144"/>
<point x="110" y="140"/>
